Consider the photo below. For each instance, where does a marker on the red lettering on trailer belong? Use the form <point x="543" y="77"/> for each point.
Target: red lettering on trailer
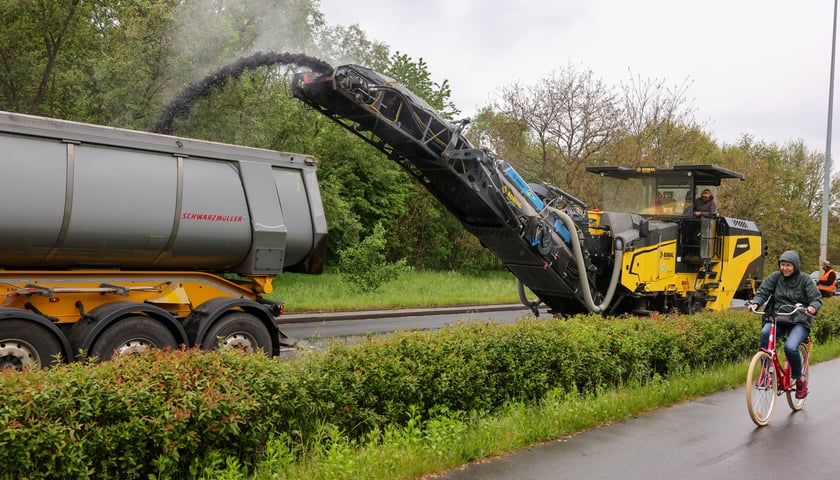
<point x="209" y="217"/>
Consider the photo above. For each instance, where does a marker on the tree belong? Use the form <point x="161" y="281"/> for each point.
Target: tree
<point x="415" y="75"/>
<point x="44" y="44"/>
<point x="365" y="265"/>
<point x="341" y="45"/>
<point x="211" y="33"/>
<point x="571" y="117"/>
<point x="778" y="195"/>
<point x="658" y="123"/>
<point x="133" y="64"/>
<point x="508" y="137"/>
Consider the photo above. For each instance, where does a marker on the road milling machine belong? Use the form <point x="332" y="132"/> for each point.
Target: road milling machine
<point x="643" y="252"/>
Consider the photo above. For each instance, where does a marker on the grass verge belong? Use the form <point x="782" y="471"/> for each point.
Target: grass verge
<point x="331" y="292"/>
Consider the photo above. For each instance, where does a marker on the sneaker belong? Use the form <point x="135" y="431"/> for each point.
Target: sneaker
<point x="801" y="388"/>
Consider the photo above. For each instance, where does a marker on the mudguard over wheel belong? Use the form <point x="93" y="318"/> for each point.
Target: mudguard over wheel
<point x="794" y="403"/>
<point x="761" y="388"/>
<point x="133" y="334"/>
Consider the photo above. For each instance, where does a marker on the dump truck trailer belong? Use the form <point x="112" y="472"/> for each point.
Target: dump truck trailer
<point x="114" y="241"/>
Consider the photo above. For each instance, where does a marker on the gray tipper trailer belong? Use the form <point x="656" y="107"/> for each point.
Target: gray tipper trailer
<point x="113" y="241"/>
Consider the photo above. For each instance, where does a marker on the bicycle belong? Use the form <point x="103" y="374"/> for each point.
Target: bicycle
<point x="768" y="379"/>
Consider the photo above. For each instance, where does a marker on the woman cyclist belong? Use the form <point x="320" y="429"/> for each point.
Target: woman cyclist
<point x="789" y="286"/>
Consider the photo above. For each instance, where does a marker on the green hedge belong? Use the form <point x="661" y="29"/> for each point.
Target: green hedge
<point x="168" y="413"/>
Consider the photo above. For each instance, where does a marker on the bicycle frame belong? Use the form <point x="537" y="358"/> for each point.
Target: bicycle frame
<point x="783" y="377"/>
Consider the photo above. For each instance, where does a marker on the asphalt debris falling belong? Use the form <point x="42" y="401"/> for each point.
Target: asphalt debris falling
<point x="182" y="104"/>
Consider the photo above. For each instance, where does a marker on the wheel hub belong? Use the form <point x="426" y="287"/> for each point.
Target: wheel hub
<point x="241" y="341"/>
<point x="17" y="353"/>
<point x="135" y="345"/>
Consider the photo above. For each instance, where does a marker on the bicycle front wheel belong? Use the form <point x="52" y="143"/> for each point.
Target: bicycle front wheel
<point x="796" y="404"/>
<point x="761" y="388"/>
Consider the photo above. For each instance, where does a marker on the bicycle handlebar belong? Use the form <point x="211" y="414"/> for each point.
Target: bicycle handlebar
<point x="780" y="313"/>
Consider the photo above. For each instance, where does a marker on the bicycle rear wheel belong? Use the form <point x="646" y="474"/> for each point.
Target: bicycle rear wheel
<point x="761" y="388"/>
<point x="796" y="404"/>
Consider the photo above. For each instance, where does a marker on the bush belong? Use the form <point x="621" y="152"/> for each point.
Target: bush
<point x="167" y="414"/>
<point x="160" y="412"/>
<point x="825" y="325"/>
<point x="365" y="265"/>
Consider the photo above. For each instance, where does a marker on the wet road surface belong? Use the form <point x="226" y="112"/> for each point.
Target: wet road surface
<point x="315" y="327"/>
<point x="711" y="438"/>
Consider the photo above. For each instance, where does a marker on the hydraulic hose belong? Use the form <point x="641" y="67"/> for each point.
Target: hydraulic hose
<point x="532" y="304"/>
<point x="581" y="265"/>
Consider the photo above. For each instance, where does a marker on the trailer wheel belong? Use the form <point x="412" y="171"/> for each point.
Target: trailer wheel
<point x="134" y="334"/>
<point x="27" y="344"/>
<point x="238" y="330"/>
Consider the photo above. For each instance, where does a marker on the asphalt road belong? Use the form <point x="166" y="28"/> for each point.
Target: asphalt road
<point x="316" y="327"/>
<point x="712" y="438"/>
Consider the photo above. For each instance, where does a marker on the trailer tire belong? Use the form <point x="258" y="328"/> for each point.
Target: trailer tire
<point x="26" y="344"/>
<point x="134" y="334"/>
<point x="238" y="330"/>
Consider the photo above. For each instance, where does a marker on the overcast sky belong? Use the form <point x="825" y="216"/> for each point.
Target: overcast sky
<point x="760" y="67"/>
